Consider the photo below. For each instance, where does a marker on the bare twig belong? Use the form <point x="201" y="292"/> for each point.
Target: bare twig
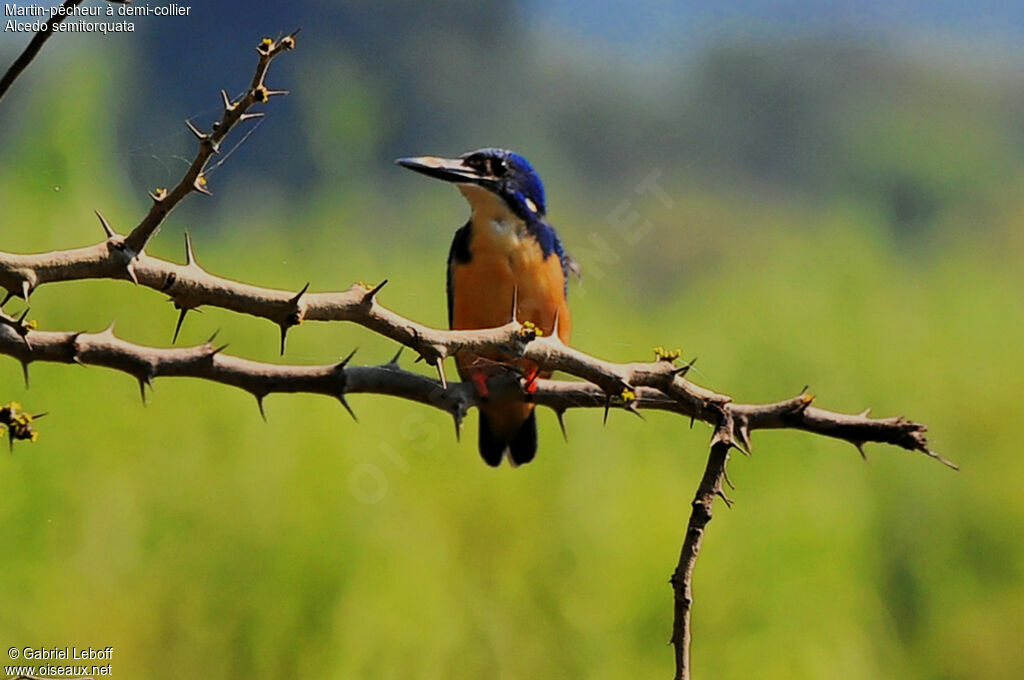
<point x="33" y="48"/>
<point x="36" y="44"/>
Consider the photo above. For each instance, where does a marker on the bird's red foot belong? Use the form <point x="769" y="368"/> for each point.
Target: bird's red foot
<point x="531" y="382"/>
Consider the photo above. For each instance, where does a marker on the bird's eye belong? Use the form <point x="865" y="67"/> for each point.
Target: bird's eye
<point x="499" y="168"/>
<point x="478" y="163"/>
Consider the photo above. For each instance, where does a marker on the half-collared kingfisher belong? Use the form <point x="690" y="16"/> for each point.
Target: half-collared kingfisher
<point x="505" y="255"/>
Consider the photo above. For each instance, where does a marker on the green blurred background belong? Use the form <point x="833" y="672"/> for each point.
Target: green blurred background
<point x="844" y="210"/>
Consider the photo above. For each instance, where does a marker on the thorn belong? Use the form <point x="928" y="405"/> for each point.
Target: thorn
<point x="130" y="268"/>
<point x="107" y="229"/>
<point x="560" y="413"/>
<point x="726" y="499"/>
<point x="109" y="330"/>
<point x="725" y="476"/>
<point x="143" y="383"/>
<point x="177" y="326"/>
<point x="213" y="337"/>
<point x="439" y="365"/>
<point x="743" y="434"/>
<point x="344" y="362"/>
<point x="865" y="413"/>
<point x="249" y="116"/>
<point x="554" y="325"/>
<point x="631" y="407"/>
<point x="458" y="427"/>
<point x="277" y="93"/>
<point x="683" y="370"/>
<point x="515" y="304"/>
<point x="945" y="461"/>
<point x="298" y="296"/>
<point x="607" y="406"/>
<point x="228" y="106"/>
<point x="860" y="449"/>
<point x="201" y="136"/>
<point x="217" y="350"/>
<point x="394" y="359"/>
<point x="284" y="337"/>
<point x="259" y="405"/>
<point x="691" y="422"/>
<point x="24" y="372"/>
<point x="344" y="402"/>
<point x="371" y="294"/>
<point x="26" y="289"/>
<point x="190" y="256"/>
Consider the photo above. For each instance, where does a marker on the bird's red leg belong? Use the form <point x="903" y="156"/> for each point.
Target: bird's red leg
<point x="479" y="379"/>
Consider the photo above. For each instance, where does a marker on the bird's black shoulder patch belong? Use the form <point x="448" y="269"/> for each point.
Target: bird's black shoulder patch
<point x="459" y="252"/>
<point x="460" y="246"/>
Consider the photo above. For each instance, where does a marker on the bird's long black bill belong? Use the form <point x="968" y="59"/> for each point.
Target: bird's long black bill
<point x="447" y="169"/>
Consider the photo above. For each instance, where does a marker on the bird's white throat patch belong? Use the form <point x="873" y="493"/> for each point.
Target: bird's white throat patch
<point x="492" y="218"/>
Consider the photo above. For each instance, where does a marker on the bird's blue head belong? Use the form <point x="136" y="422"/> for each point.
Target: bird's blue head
<point x="501" y="172"/>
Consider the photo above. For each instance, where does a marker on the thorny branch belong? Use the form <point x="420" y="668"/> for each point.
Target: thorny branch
<point x="21" y="341"/>
<point x="118" y="256"/>
<point x="682" y="578"/>
<point x="657" y="385"/>
<point x="189" y="286"/>
<point x="194" y="180"/>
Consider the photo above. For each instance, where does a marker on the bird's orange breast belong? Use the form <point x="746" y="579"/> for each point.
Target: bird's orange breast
<point x="504" y="265"/>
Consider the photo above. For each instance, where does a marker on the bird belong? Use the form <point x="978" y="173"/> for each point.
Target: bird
<point x="506" y="257"/>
